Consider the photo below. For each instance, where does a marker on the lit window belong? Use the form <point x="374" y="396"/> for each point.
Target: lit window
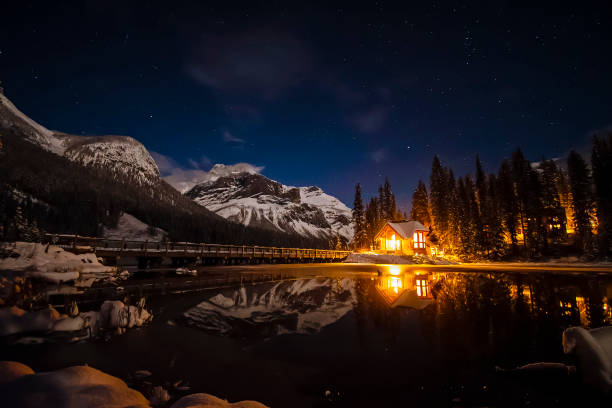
<point x="422" y="287"/>
<point x="419" y="239"/>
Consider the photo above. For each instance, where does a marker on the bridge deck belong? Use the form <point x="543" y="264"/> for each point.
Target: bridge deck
<point x="118" y="248"/>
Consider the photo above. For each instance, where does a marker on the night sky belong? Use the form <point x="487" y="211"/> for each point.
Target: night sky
<point x="318" y="95"/>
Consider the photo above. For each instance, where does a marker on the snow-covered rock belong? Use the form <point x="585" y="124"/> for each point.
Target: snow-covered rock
<point x="252" y="199"/>
<point x="84" y="386"/>
<point x="115" y="314"/>
<point x="123" y="155"/>
<point x="594" y="351"/>
<point x="78" y="386"/>
<point x="14" y="320"/>
<point x="302" y="306"/>
<point x="52" y="264"/>
<point x="131" y="228"/>
<point x="210" y="401"/>
<point x="112" y="315"/>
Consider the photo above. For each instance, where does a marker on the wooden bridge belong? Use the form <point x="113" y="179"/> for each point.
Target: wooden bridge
<point x="153" y="252"/>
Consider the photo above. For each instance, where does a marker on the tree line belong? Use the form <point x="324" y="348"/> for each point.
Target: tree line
<point x="525" y="209"/>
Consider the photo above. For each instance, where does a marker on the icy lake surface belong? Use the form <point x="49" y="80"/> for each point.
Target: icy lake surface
<point x="400" y="339"/>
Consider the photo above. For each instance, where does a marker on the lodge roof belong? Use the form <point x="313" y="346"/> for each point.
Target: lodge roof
<point x="405" y="228"/>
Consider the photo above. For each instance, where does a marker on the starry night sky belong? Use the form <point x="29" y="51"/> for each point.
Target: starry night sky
<point x="319" y="95"/>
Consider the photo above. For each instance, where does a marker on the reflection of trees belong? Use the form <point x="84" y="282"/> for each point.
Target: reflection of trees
<point x="370" y="308"/>
<point x="594" y="304"/>
<point x="469" y="310"/>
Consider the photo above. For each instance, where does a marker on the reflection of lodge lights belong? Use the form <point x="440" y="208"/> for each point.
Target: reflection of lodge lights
<point x="394" y="270"/>
<point x="395" y="283"/>
<point x="422" y="287"/>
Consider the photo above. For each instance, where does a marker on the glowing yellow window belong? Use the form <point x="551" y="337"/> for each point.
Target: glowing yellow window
<point x="419" y="239"/>
<point x="422" y="287"/>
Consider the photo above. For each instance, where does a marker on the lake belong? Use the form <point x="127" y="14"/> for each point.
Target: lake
<point x="404" y="337"/>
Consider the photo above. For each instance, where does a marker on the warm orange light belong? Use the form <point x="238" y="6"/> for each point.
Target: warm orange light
<point x="394" y="270"/>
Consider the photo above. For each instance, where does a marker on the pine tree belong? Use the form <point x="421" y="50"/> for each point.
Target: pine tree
<point x="389" y="209"/>
<point x="358" y="218"/>
<point x="381" y="203"/>
<point x="582" y="202"/>
<point x="420" y="205"/>
<point x="372" y="221"/>
<point x="481" y="220"/>
<point x="601" y="160"/>
<point x="452" y="198"/>
<point x="438" y="188"/>
<point x="509" y="207"/>
<point x="496" y="244"/>
<point x="465" y="219"/>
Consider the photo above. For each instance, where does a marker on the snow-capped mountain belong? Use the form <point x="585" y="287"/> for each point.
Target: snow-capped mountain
<point x="121" y="154"/>
<point x="303" y="306"/>
<point x="254" y="200"/>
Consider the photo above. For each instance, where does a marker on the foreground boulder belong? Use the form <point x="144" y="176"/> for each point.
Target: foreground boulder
<point x="593" y="349"/>
<point x="78" y="386"/>
<point x="83" y="386"/>
<point x="210" y="401"/>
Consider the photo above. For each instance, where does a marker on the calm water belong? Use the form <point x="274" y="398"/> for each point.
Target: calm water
<point x="401" y="339"/>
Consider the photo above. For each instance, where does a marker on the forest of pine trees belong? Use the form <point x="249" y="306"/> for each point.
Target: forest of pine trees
<point x="527" y="210"/>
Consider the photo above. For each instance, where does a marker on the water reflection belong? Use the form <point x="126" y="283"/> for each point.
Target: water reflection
<point x="470" y="313"/>
<point x="405" y="290"/>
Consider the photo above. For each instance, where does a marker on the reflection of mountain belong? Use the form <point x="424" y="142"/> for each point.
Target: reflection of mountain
<point x="302" y="306"/>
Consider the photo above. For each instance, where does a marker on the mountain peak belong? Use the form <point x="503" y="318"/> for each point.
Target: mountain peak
<point x="122" y="154"/>
<point x="251" y="198"/>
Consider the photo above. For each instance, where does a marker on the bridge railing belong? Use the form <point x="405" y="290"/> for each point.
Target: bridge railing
<point x="122" y="246"/>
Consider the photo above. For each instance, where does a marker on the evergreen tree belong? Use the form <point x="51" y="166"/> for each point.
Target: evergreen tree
<point x="465" y="219"/>
<point x="358" y="218"/>
<point x="372" y="221"/>
<point x="509" y="203"/>
<point x="452" y="198"/>
<point x="496" y="244"/>
<point x="438" y="188"/>
<point x="601" y="160"/>
<point x="381" y="203"/>
<point x="388" y="202"/>
<point x="481" y="215"/>
<point x="582" y="202"/>
<point x="420" y="205"/>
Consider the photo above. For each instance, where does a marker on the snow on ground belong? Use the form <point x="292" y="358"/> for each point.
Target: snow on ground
<point x="131" y="228"/>
<point x="112" y="315"/>
<point x="395" y="259"/>
<point x="84" y="386"/>
<point x="52" y="264"/>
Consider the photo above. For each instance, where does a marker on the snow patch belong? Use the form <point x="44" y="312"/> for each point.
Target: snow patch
<point x="52" y="264"/>
<point x="131" y="228"/>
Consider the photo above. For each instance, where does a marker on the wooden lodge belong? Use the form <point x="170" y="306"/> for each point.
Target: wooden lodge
<point x="404" y="238"/>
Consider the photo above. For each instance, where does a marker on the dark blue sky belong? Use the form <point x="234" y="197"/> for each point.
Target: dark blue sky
<point x="317" y="94"/>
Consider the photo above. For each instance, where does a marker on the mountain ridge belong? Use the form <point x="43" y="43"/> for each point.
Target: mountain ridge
<point x="251" y="198"/>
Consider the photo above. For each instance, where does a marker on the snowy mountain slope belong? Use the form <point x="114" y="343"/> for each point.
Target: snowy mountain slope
<point x="303" y="306"/>
<point x="254" y="200"/>
<point x="121" y="154"/>
<point x="129" y="227"/>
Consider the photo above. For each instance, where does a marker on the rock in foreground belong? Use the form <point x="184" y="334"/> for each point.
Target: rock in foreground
<point x="83" y="386"/>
